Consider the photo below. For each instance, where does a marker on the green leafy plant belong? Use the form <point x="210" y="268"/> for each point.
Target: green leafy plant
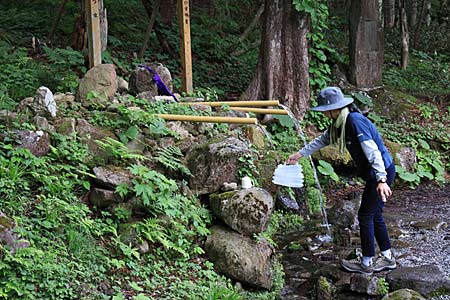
<point x="118" y="150"/>
<point x="170" y="157"/>
<point x="327" y="169"/>
<point x="427" y="110"/>
<point x="248" y="167"/>
<point x="382" y="286"/>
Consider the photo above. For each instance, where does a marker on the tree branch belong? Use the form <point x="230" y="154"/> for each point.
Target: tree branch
<point x="149" y="28"/>
<point x="252" y="24"/>
<point x="57" y="19"/>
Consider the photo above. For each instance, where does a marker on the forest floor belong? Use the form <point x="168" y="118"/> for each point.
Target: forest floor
<point x="418" y="222"/>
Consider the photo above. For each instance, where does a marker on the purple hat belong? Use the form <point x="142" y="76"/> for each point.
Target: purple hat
<point x="331" y="98"/>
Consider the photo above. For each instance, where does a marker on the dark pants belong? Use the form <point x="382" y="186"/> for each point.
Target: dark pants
<point x="370" y="217"/>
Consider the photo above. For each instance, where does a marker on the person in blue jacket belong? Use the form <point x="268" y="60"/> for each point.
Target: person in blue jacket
<point x="352" y="130"/>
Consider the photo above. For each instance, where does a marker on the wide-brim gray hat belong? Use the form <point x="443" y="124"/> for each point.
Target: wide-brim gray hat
<point x="331" y="98"/>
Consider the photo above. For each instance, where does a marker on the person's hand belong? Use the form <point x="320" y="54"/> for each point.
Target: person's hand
<point x="384" y="191"/>
<point x="293" y="159"/>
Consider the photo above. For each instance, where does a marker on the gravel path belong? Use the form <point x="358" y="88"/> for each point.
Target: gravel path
<point x="423" y="216"/>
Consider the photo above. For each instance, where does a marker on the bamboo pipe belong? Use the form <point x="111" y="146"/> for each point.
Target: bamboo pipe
<point x="261" y="110"/>
<point x="236" y="103"/>
<point x="231" y="120"/>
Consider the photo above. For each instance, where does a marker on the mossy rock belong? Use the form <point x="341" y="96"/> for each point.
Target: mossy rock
<point x="266" y="167"/>
<point x="331" y="154"/>
<point x="403" y="294"/>
<point x="393" y="104"/>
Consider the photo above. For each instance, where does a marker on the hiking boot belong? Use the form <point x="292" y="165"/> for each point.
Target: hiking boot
<point x="383" y="263"/>
<point x="356" y="265"/>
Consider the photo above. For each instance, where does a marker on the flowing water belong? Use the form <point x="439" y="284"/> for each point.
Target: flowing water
<point x="266" y="133"/>
<point x="323" y="238"/>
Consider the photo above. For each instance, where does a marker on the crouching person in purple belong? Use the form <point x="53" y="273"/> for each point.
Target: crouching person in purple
<point x="352" y="130"/>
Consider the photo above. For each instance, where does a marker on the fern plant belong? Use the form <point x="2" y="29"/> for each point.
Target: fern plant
<point x="170" y="157"/>
<point x="118" y="150"/>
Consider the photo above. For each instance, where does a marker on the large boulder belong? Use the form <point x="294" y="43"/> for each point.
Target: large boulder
<point x="102" y="80"/>
<point x="240" y="257"/>
<point x="215" y="163"/>
<point x="247" y="211"/>
<point x="424" y="279"/>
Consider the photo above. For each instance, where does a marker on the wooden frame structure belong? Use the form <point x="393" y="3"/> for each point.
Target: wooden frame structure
<point x="94" y="41"/>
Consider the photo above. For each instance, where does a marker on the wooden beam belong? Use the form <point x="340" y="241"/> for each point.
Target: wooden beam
<point x="185" y="45"/>
<point x="93" y="28"/>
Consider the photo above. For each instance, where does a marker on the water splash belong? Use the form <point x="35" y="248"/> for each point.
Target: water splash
<point x="328" y="236"/>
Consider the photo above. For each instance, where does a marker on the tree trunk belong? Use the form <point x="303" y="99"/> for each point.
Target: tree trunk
<point x="282" y="69"/>
<point x="419" y="24"/>
<point x="405" y="35"/>
<point x="366" y="44"/>
<point x="389" y="13"/>
<point x="413" y="14"/>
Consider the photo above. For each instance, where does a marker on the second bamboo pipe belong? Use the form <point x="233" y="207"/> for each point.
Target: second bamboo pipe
<point x="236" y="103"/>
<point x="231" y="120"/>
<point x="261" y="110"/>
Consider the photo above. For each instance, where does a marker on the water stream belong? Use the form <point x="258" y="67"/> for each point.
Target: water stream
<point x="323" y="238"/>
<point x="266" y="133"/>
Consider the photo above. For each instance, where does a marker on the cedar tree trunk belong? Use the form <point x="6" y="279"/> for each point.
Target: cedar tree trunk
<point x="282" y="69"/>
<point x="366" y="44"/>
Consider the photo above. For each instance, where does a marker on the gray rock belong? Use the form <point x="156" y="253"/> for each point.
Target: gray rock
<point x="7" y="235"/>
<point x="7" y="117"/>
<point x="141" y="80"/>
<point x="102" y="80"/>
<point x="215" y="163"/>
<point x="365" y="284"/>
<point x="344" y="213"/>
<point x="44" y="103"/>
<point x="103" y="198"/>
<point x="424" y="279"/>
<point x="66" y="126"/>
<point x="89" y="134"/>
<point x="407" y="158"/>
<point x="240" y="257"/>
<point x="38" y="142"/>
<point x="43" y="124"/>
<point x="110" y="177"/>
<point x="247" y="211"/>
<point x="122" y="85"/>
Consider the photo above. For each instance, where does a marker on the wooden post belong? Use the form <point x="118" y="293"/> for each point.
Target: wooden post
<point x="185" y="45"/>
<point x="93" y="29"/>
